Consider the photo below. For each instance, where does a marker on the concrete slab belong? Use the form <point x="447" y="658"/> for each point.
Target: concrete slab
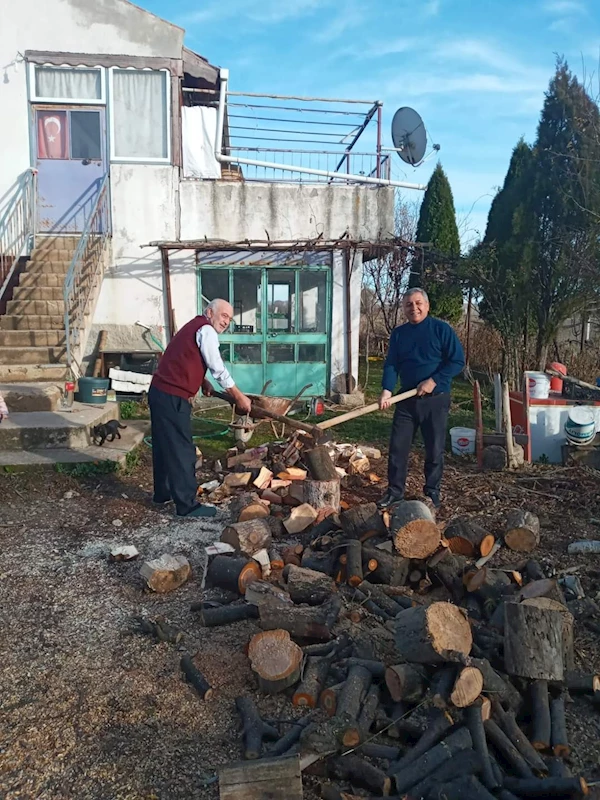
<point x="24" y="397"/>
<point x="48" y="458"/>
<point x="39" y="430"/>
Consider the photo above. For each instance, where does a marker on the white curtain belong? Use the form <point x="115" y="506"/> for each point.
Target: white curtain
<point x="140" y="113"/>
<point x="199" y="132"/>
<point x="68" y="84"/>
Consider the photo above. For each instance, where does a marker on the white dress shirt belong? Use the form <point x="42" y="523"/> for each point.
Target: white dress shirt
<point x="208" y="342"/>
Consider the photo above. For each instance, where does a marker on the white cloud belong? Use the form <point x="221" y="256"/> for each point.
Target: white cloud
<point x="263" y="11"/>
<point x="344" y="19"/>
<point x="480" y="51"/>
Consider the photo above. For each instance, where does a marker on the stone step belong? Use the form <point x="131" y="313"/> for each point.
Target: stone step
<point x="31" y="322"/>
<point x="23" y="373"/>
<point x="38" y="293"/>
<point x="40" y="430"/>
<point x="42" y="279"/>
<point x="69" y="242"/>
<point x="55" y="267"/>
<point x="50" y="308"/>
<point x="57" y="253"/>
<point x="32" y="338"/>
<point x="25" y="397"/>
<point x="32" y="355"/>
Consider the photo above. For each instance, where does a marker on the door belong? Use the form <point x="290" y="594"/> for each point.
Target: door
<point x="71" y="162"/>
<point x="280" y="331"/>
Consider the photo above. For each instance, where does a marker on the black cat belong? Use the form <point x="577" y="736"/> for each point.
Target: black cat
<point x="107" y="430"/>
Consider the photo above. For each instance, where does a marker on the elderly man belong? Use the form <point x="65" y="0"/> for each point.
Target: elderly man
<point x="425" y="354"/>
<point x="180" y="374"/>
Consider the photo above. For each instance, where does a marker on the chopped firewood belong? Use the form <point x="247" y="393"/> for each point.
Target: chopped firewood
<point x="260" y="591"/>
<point x="248" y="506"/>
<point x="276" y="558"/>
<point x="318" y="561"/>
<point x="464" y="763"/>
<point x="430" y="761"/>
<point x="448" y="570"/>
<point x="467" y="687"/>
<point x="320" y="464"/>
<point x="534" y="640"/>
<point x="264" y="479"/>
<point x="349" y="703"/>
<point x="275" y="659"/>
<point x="438" y="725"/>
<point x="124" y="553"/>
<point x="237" y="480"/>
<point x="256" y="453"/>
<point x="558" y="727"/>
<point x="507" y="749"/>
<point x="328" y="699"/>
<point x="377" y="594"/>
<point x="495" y="684"/>
<point x="234" y="573"/>
<point x="358" y="465"/>
<point x="275" y="778"/>
<point x="290" y="738"/>
<point x="354" y="573"/>
<point x="354" y="769"/>
<point x="441" y="685"/>
<point x="405" y="682"/>
<point x="467" y="537"/>
<point x="414" y="531"/>
<point x="507" y="722"/>
<point x="433" y="634"/>
<point x="376" y="668"/>
<point x="522" y="530"/>
<point x="277" y="484"/>
<point x="547" y="587"/>
<point x="323" y="494"/>
<point x="254" y="730"/>
<point x="301" y="622"/>
<point x="227" y="615"/>
<point x="293" y="555"/>
<point x="582" y="684"/>
<point x="547" y="787"/>
<point x="248" y="537"/>
<point x="362" y="519"/>
<point x="540" y="715"/>
<point x="368" y="711"/>
<point x="391" y="569"/>
<point x="269" y="496"/>
<point x="474" y="721"/>
<point x="300" y="519"/>
<point x="262" y="558"/>
<point x="166" y="573"/>
<point x="313" y="681"/>
<point x="307" y="585"/>
<point x="293" y="474"/>
<point x="195" y="677"/>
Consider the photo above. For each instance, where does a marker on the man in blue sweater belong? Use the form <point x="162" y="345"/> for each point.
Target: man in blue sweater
<point x="425" y="354"/>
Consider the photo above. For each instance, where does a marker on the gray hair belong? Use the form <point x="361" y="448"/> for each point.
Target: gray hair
<point x="416" y="290"/>
<point x="214" y="304"/>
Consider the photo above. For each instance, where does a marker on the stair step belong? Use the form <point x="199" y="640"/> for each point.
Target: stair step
<point x="25" y="397"/>
<point x="32" y="355"/>
<point x="55" y="267"/>
<point x="51" y="242"/>
<point x="38" y="430"/>
<point x="31" y="322"/>
<point x="19" y="373"/>
<point x="50" y="308"/>
<point x="54" y="253"/>
<point x="32" y="338"/>
<point x="42" y="279"/>
<point x="38" y="293"/>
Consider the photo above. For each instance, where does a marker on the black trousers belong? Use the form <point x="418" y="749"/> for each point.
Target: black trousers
<point x="430" y="414"/>
<point x="173" y="451"/>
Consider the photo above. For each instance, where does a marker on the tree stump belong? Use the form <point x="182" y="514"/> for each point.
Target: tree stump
<point x="248" y="506"/>
<point x="546" y="587"/>
<point x="233" y="573"/>
<point x="433" y="634"/>
<point x="522" y="531"/>
<point x="534" y="640"/>
<point x="320" y="465"/>
<point x="414" y="531"/>
<point x="248" y="537"/>
<point x="323" y="494"/>
<point x="307" y="585"/>
<point x="567" y="631"/>
<point x="468" y="538"/>
<point x="275" y="659"/>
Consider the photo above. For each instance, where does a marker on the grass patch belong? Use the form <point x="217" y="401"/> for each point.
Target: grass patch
<point x="87" y="469"/>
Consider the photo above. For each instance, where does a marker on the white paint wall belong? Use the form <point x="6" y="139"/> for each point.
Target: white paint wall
<point x="339" y="338"/>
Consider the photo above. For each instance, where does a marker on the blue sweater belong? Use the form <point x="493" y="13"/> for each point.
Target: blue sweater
<point x="429" y="349"/>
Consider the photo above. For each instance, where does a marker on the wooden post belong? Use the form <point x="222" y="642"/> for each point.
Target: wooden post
<point x="527" y="423"/>
<point x="510" y="445"/>
<point x="498" y="402"/>
<point x="478" y="424"/>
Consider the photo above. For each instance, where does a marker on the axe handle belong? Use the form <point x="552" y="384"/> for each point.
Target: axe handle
<point x="261" y="413"/>
<point x="358" y="412"/>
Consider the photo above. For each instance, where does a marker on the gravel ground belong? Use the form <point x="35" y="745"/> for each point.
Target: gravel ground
<point x="92" y="710"/>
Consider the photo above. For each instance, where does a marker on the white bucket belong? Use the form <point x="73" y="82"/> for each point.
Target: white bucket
<point x="539" y="385"/>
<point x="462" y="441"/>
<point x="580" y="427"/>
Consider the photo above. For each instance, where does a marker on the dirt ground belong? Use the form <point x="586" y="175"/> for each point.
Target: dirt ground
<point x="93" y="710"/>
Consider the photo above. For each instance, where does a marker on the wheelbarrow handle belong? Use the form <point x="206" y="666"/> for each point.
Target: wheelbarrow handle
<point x="262" y="413"/>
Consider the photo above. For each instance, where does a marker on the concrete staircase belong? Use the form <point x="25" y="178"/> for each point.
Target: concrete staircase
<point x="32" y="332"/>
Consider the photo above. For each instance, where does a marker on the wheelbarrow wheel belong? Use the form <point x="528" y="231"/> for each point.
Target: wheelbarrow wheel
<point x="241" y="434"/>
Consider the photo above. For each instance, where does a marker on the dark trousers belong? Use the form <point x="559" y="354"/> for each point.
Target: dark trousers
<point x="430" y="414"/>
<point x="173" y="451"/>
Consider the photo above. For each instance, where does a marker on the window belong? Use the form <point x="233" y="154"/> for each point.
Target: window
<point x="140" y="115"/>
<point x="74" y="135"/>
<point x="247" y="306"/>
<point x="86" y="141"/>
<point x="313" y="302"/>
<point x="215" y="283"/>
<point x="67" y="84"/>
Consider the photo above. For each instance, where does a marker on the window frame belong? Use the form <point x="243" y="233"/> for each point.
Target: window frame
<point x="169" y="119"/>
<point x="35" y="98"/>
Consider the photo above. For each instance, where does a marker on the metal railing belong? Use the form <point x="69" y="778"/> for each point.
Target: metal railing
<point x="86" y="270"/>
<point x="17" y="225"/>
<point x="367" y="164"/>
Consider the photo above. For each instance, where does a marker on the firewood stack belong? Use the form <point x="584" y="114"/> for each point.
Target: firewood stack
<point x="425" y="673"/>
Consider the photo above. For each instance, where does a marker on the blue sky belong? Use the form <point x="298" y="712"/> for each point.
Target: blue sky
<point x="476" y="72"/>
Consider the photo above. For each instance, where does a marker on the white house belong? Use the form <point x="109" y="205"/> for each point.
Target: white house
<point x="130" y="191"/>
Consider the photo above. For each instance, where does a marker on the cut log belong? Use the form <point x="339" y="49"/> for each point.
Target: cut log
<point x="507" y="749"/>
<point x="492" y="585"/>
<point x="548" y="787"/>
<point x="360" y="772"/>
<point x="275" y="778"/>
<point x="508" y="723"/>
<point x="354" y="572"/>
<point x="468" y="538"/>
<point x="465" y="788"/>
<point x="328" y="699"/>
<point x="237" y="480"/>
<point x="233" y="573"/>
<point x="449" y="571"/>
<point x="320" y="465"/>
<point x="438" y="725"/>
<point x="495" y="458"/>
<point x="307" y="585"/>
<point x="405" y="682"/>
<point x="474" y="721"/>
<point x="414" y="531"/>
<point x="522" y="531"/>
<point x="362" y="519"/>
<point x="384" y="601"/>
<point x="534" y="640"/>
<point x="248" y="506"/>
<point x="441" y="685"/>
<point x="248" y="537"/>
<point x="467" y="687"/>
<point x="293" y="474"/>
<point x="323" y="494"/>
<point x="300" y="519"/>
<point x="293" y="555"/>
<point x="432" y="760"/>
<point x="582" y="684"/>
<point x="259" y="592"/>
<point x="269" y="496"/>
<point x="369" y="605"/>
<point x="585" y="547"/>
<point x="541" y="725"/>
<point x="262" y="559"/>
<point x="254" y="730"/>
<point x="227" y="615"/>
<point x="547" y="587"/>
<point x="319" y="561"/>
<point x="391" y="569"/>
<point x="433" y="634"/>
<point x="290" y="738"/>
<point x="465" y="763"/>
<point x="558" y="727"/>
<point x="276" y="558"/>
<point x="160" y="630"/>
<point x="545" y="603"/>
<point x="195" y="677"/>
<point x="349" y="702"/>
<point x="534" y="571"/>
<point x="495" y="684"/>
<point x="167" y="573"/>
<point x="275" y="659"/>
<point x="301" y="623"/>
<point x="315" y="675"/>
<point x="368" y="712"/>
<point x="380" y="752"/>
<point x="263" y="479"/>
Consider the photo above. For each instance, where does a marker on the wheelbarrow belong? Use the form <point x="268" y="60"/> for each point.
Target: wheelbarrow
<point x="275" y="408"/>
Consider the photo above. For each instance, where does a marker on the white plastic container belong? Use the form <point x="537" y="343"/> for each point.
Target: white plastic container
<point x="539" y="385"/>
<point x="462" y="441"/>
<point x="580" y="427"/>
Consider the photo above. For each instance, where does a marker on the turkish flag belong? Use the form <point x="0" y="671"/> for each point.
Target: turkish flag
<point x="52" y="134"/>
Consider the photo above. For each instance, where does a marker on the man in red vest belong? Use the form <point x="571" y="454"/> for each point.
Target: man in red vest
<point x="180" y="375"/>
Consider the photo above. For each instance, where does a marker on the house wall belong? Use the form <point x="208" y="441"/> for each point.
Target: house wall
<point x="76" y="26"/>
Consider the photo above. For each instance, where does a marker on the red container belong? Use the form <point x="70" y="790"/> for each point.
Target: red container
<point x="556" y="384"/>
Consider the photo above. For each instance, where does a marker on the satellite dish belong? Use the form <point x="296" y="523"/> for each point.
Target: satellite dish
<point x="409" y="135"/>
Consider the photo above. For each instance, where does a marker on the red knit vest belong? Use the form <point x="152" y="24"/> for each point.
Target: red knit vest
<point x="181" y="368"/>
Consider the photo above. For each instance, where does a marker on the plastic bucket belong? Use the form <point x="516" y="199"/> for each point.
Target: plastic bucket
<point x="539" y="385"/>
<point x="462" y="441"/>
<point x="580" y="427"/>
<point x="92" y="391"/>
<point x="556" y="384"/>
